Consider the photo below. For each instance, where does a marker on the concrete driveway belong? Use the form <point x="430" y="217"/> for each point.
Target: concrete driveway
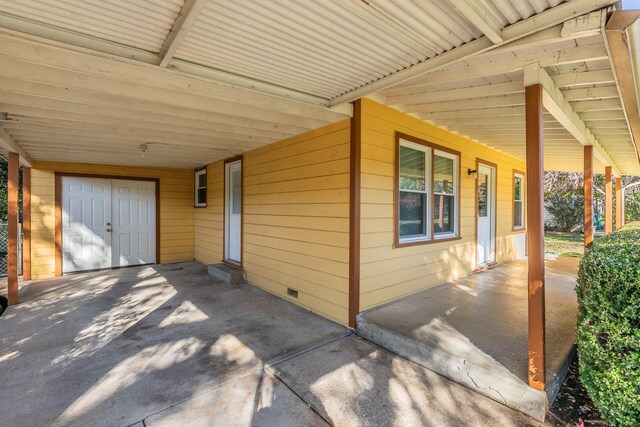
<point x="169" y="345"/>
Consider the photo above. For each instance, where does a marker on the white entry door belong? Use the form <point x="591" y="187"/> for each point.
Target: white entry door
<point x="134" y="222"/>
<point x="107" y="223"/>
<point x="86" y="219"/>
<point x="233" y="211"/>
<point x="486" y="215"/>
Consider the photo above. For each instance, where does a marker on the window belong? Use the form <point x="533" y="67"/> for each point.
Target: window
<point x="427" y="192"/>
<point x="518" y="201"/>
<point x="201" y="188"/>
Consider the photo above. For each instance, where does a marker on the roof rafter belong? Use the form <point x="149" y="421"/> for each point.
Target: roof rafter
<point x="9" y="144"/>
<point x="556" y="104"/>
<point x="180" y="29"/>
<point x="481" y="17"/>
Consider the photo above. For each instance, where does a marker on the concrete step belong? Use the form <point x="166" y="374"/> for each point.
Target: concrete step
<point x="446" y="351"/>
<point x="226" y="273"/>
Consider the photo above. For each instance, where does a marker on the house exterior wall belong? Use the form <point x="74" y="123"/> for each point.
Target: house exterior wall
<point x="295" y="219"/>
<point x="389" y="273"/>
<point x="176" y="236"/>
<point x="209" y="221"/>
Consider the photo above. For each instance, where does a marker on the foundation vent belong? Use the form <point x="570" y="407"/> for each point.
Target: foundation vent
<point x="292" y="293"/>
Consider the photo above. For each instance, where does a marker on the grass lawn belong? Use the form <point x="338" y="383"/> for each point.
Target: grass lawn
<point x="571" y="244"/>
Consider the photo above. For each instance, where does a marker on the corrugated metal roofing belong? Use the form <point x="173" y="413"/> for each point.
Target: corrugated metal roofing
<point x="143" y="24"/>
<point x="322" y="48"/>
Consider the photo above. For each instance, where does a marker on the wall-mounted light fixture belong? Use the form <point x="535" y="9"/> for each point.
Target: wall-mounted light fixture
<point x="143" y="149"/>
<point x="472" y="173"/>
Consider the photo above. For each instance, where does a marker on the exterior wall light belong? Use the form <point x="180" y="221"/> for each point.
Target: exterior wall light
<point x="472" y="173"/>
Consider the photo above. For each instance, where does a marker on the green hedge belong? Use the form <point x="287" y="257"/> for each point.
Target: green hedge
<point x="609" y="325"/>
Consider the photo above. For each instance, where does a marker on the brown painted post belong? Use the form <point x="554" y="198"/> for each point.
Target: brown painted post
<point x="354" y="213"/>
<point x="535" y="226"/>
<point x="618" y="203"/>
<point x="608" y="201"/>
<point x="12" y="219"/>
<point x="26" y="223"/>
<point x="588" y="196"/>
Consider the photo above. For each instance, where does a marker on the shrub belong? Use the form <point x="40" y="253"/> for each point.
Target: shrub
<point x="609" y="325"/>
<point x="566" y="210"/>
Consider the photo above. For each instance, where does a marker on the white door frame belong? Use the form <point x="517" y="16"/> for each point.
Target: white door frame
<point x="491" y="206"/>
<point x="232" y="222"/>
<point x="60" y="213"/>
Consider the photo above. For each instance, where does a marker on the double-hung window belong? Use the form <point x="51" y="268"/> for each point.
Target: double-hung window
<point x="427" y="192"/>
<point x="201" y="188"/>
<point x="518" y="201"/>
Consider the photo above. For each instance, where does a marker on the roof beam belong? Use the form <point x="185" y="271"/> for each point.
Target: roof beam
<point x="549" y="18"/>
<point x="556" y="104"/>
<point x="9" y="144"/>
<point x="624" y="63"/>
<point x="180" y="29"/>
<point x="481" y="17"/>
<point x="457" y="94"/>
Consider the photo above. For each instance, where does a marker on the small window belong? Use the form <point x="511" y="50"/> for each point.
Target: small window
<point x="427" y="192"/>
<point x="201" y="188"/>
<point x="518" y="201"/>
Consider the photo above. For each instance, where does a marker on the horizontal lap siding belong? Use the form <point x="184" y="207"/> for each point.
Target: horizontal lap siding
<point x="389" y="273"/>
<point x="176" y="237"/>
<point x="296" y="219"/>
<point x="209" y="221"/>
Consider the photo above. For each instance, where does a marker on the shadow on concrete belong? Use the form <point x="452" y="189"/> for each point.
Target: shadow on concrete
<point x="113" y="347"/>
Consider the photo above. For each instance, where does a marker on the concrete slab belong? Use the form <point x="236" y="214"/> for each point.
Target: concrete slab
<point x="112" y="347"/>
<point x="474" y="330"/>
<point x="255" y="400"/>
<point x="353" y="382"/>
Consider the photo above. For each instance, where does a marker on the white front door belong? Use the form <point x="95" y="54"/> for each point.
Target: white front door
<point x="486" y="215"/>
<point x="233" y="211"/>
<point x="134" y="223"/>
<point x="86" y="220"/>
<point x="107" y="223"/>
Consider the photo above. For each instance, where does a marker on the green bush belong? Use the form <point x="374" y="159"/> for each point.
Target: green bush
<point x="609" y="325"/>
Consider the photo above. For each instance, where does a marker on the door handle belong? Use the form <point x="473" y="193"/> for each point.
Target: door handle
<point x="108" y="230"/>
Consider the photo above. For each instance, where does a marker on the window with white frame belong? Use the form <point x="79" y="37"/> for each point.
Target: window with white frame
<point x="518" y="201"/>
<point x="427" y="192"/>
<point x="201" y="188"/>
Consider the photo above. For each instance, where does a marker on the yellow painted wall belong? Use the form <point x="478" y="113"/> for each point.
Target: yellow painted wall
<point x="209" y="221"/>
<point x="176" y="210"/>
<point x="389" y="273"/>
<point x="296" y="218"/>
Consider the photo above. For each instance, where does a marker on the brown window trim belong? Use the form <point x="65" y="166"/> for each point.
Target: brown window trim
<point x="396" y="192"/>
<point x="515" y="230"/>
<point x="195" y="190"/>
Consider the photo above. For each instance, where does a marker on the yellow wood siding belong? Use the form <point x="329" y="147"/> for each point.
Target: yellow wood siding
<point x="209" y="221"/>
<point x="176" y="237"/>
<point x="389" y="273"/>
<point x="296" y="219"/>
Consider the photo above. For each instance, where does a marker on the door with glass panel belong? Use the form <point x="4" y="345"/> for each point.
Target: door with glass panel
<point x="233" y="211"/>
<point x="486" y="215"/>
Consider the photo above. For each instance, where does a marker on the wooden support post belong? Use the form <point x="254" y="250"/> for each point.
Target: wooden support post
<point x="608" y="201"/>
<point x="535" y="226"/>
<point x="354" y="213"/>
<point x="619" y="203"/>
<point x="588" y="196"/>
<point x="26" y="223"/>
<point x="12" y="227"/>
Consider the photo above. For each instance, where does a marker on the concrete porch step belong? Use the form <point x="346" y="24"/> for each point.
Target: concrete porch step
<point x="226" y="273"/>
<point x="444" y="350"/>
